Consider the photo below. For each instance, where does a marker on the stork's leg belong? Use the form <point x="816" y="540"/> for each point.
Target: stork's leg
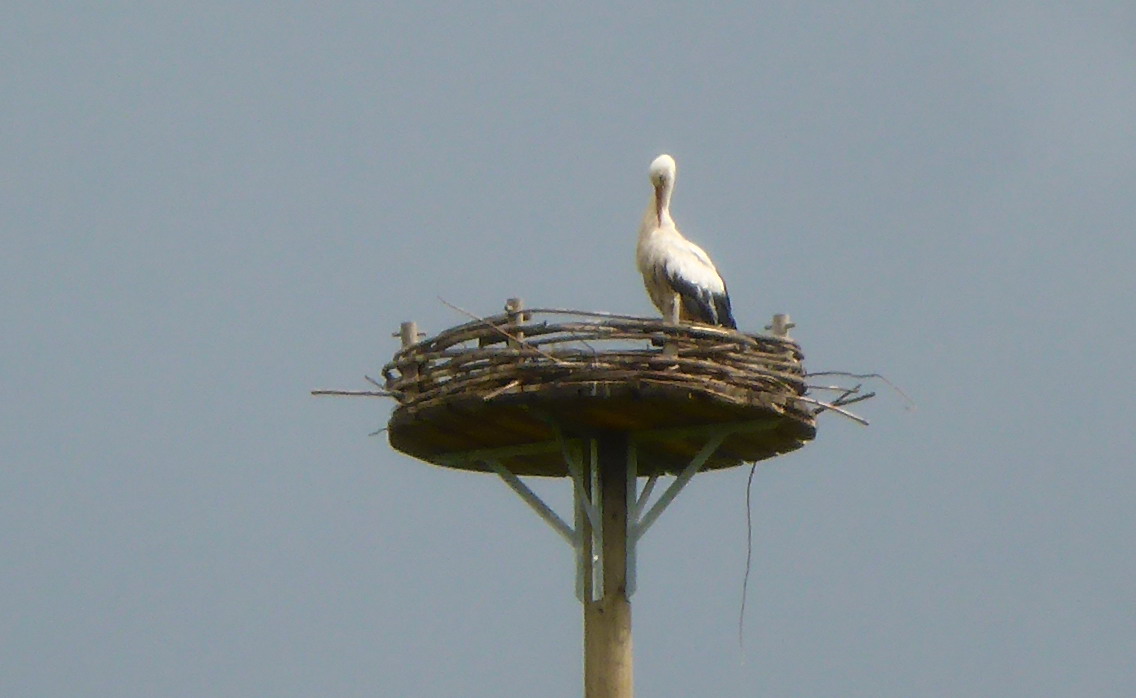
<point x="676" y="305"/>
<point x="671" y="348"/>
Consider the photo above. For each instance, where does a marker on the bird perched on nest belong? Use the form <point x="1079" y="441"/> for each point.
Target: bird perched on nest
<point x="680" y="278"/>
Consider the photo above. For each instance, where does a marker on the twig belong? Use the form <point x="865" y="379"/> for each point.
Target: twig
<point x="910" y="403"/>
<point x="834" y="408"/>
<point x="355" y="393"/>
<point x="843" y="395"/>
<point x="498" y="329"/>
<point x="494" y="393"/>
<point x="849" y="401"/>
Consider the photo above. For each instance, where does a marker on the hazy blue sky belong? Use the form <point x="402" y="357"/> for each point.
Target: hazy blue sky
<point x="210" y="208"/>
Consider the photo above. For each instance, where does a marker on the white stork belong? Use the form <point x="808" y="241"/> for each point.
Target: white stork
<point x="680" y="278"/>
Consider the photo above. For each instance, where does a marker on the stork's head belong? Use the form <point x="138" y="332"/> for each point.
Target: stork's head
<point x="662" y="173"/>
<point x="663" y="170"/>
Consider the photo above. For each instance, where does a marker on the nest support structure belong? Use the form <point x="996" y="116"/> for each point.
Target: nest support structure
<point x="550" y="392"/>
<point x="607" y="401"/>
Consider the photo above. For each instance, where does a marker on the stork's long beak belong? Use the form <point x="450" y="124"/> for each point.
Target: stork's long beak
<point x="659" y="203"/>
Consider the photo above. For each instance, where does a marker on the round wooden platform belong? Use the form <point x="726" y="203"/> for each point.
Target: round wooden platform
<point x="518" y="387"/>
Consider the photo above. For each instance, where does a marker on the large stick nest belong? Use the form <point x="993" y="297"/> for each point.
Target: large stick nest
<point x="503" y="385"/>
<point x="514" y="353"/>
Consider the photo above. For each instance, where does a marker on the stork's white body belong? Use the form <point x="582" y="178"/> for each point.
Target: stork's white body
<point x="680" y="278"/>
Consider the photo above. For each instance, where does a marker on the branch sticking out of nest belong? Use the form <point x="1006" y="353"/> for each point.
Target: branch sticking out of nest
<point x="355" y="393"/>
<point x="909" y="404"/>
<point x="831" y="406"/>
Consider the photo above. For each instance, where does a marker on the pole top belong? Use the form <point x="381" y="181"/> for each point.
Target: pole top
<point x="781" y="325"/>
<point x="408" y="332"/>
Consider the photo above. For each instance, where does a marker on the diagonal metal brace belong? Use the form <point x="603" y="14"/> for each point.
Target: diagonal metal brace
<point x="543" y="510"/>
<point x="640" y="527"/>
<point x="645" y="495"/>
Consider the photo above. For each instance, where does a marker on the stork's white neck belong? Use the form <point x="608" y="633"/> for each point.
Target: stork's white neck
<point x="663" y="203"/>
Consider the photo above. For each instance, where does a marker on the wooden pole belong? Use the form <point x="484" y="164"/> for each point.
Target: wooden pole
<point x="408" y="333"/>
<point x="781" y="325"/>
<point x="513" y="308"/>
<point x="607" y="622"/>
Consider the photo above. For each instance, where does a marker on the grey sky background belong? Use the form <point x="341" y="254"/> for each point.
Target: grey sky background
<point x="209" y="209"/>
